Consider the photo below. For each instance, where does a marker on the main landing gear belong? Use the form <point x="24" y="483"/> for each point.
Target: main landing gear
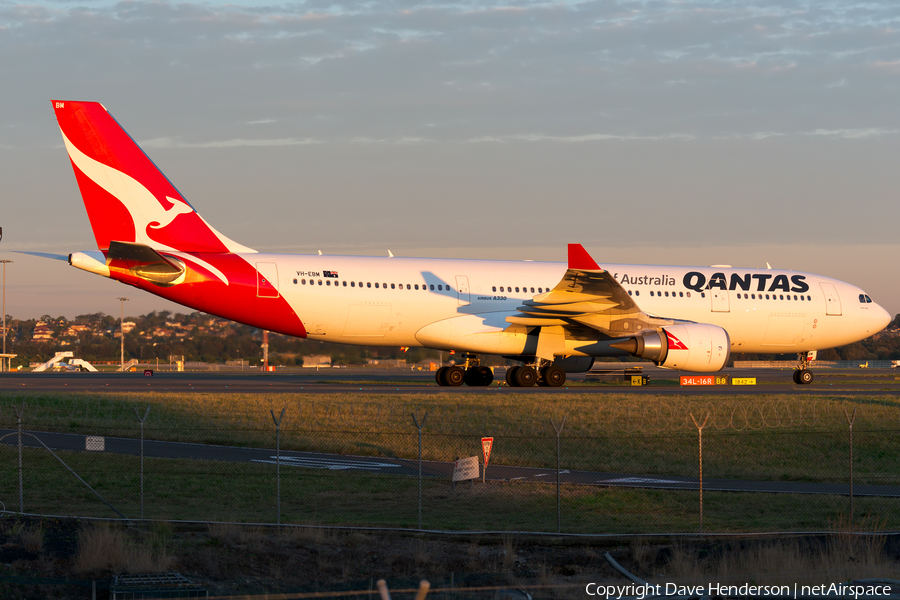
<point x="545" y="375"/>
<point x="471" y="373"/>
<point x="802" y="375"/>
<point x="542" y="373"/>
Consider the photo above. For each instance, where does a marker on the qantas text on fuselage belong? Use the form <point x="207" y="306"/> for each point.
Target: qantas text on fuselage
<point x="694" y="280"/>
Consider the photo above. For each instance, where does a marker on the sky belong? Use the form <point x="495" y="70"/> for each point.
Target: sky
<point x="738" y="132"/>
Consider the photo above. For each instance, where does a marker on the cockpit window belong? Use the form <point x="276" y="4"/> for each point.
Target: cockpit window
<point x="868" y="300"/>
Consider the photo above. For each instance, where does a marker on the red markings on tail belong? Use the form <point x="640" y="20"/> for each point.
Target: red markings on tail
<point x="128" y="199"/>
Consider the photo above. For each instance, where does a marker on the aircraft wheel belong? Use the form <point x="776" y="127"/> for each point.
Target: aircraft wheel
<point x="511" y="376"/>
<point x="525" y="376"/>
<point x="454" y="376"/>
<point x="804" y="376"/>
<point x="553" y="376"/>
<point x="794" y="376"/>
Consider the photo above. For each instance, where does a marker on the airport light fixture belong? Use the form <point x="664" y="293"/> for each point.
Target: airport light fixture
<point x="4" y="306"/>
<point x="123" y="300"/>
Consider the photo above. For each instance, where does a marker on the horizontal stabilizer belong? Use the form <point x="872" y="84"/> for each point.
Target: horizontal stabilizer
<point x="145" y="262"/>
<point x="64" y="257"/>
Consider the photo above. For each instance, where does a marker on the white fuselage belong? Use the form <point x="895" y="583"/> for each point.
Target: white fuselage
<point x="391" y="301"/>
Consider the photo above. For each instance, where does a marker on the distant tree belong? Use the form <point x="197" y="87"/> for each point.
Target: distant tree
<point x="853" y="352"/>
<point x="829" y="354"/>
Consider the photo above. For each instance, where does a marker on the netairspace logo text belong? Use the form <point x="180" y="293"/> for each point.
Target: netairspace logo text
<point x="640" y="592"/>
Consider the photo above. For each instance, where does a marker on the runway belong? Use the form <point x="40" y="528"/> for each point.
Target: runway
<point x="431" y="469"/>
<point x="869" y="382"/>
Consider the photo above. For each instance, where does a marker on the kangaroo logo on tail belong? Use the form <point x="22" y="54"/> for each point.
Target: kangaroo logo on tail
<point x="145" y="210"/>
<point x="128" y="199"/>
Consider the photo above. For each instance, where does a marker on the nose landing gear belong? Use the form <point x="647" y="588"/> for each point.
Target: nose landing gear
<point x="802" y="375"/>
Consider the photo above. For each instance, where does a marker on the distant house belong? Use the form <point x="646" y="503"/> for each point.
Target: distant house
<point x="42" y="333"/>
<point x="74" y="330"/>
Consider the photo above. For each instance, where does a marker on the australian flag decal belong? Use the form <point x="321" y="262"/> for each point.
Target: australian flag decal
<point x="332" y="274"/>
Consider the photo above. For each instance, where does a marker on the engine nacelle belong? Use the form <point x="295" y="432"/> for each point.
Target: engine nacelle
<point x="696" y="347"/>
<point x="574" y="364"/>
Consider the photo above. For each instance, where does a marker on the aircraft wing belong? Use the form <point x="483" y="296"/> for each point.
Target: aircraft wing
<point x="587" y="297"/>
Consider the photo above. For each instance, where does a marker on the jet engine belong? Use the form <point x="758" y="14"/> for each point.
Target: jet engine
<point x="574" y="364"/>
<point x="696" y="347"/>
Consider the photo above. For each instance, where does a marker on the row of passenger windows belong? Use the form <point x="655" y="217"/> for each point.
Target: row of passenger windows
<point x="368" y="284"/>
<point x="674" y="294"/>
<point x="775" y="297"/>
<point x="414" y="286"/>
<point x="739" y="296"/>
<point x="508" y="289"/>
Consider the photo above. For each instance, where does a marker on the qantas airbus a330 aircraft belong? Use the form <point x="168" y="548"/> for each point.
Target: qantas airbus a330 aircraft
<point x="555" y="318"/>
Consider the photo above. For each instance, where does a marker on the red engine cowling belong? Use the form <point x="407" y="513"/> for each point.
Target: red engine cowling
<point x="697" y="347"/>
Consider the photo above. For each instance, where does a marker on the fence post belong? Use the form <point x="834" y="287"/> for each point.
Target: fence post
<point x="558" y="430"/>
<point x="850" y="419"/>
<point x="420" y="427"/>
<point x="278" y="458"/>
<point x="700" y="438"/>
<point x="147" y="412"/>
<point x="19" y="412"/>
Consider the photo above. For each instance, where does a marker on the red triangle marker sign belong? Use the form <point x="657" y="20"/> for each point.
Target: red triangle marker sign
<point x="486" y="444"/>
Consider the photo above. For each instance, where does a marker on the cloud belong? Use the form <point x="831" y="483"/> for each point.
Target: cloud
<point x="855" y="134"/>
<point x="157" y="143"/>
<point x="475" y="71"/>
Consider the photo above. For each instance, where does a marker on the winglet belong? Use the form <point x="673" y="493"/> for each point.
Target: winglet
<point x="580" y="259"/>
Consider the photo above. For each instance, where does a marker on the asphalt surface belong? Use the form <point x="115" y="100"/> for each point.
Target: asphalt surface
<point x="394" y="466"/>
<point x="878" y="382"/>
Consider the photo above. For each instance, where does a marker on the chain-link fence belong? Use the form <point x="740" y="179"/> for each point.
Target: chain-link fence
<point x="589" y="466"/>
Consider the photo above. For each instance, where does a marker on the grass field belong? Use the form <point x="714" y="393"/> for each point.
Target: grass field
<point x="766" y="438"/>
<point x="769" y="437"/>
<point x="204" y="491"/>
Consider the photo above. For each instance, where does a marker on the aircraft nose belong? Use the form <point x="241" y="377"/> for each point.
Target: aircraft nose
<point x="880" y="317"/>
